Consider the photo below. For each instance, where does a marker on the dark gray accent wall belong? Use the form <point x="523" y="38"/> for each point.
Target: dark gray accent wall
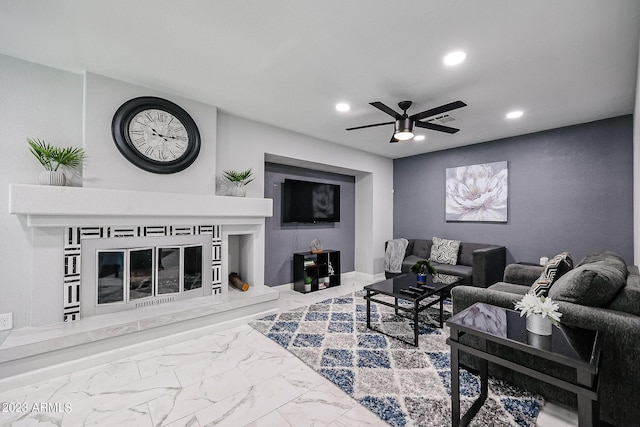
<point x="570" y="189"/>
<point x="283" y="240"/>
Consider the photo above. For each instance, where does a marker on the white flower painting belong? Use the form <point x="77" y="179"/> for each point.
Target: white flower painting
<point x="477" y="192"/>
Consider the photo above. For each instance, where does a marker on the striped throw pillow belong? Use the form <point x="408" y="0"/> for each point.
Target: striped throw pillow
<point x="553" y="270"/>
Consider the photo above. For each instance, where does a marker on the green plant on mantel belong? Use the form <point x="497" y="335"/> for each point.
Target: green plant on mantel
<point x="52" y="157"/>
<point x="239" y="178"/>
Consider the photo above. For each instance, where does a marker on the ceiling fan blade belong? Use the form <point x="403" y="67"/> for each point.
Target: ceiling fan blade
<point x="370" y="126"/>
<point x="380" y="106"/>
<point x="393" y="138"/>
<point x="438" y="110"/>
<point x="434" y="126"/>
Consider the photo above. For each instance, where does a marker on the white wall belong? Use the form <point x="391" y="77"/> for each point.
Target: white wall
<point x="107" y="167"/>
<point x="244" y="144"/>
<point x="35" y="102"/>
<point x="41" y="102"/>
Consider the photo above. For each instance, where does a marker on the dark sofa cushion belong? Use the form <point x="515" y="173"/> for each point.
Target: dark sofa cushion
<point x="466" y="252"/>
<point x="421" y="248"/>
<point x="628" y="299"/>
<point x="608" y="257"/>
<point x="408" y="262"/>
<point x="511" y="288"/>
<point x="409" y="250"/>
<point x="594" y="284"/>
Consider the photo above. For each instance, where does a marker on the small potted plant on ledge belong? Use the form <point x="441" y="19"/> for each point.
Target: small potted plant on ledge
<point x="421" y="268"/>
<point x="52" y="157"/>
<point x="239" y="180"/>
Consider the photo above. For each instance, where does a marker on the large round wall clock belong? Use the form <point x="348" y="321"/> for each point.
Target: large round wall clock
<point x="156" y="135"/>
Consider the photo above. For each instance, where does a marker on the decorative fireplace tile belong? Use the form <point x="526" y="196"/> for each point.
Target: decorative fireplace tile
<point x="72" y="258"/>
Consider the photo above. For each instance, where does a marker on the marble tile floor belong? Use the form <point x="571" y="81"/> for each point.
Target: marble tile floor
<point x="235" y="377"/>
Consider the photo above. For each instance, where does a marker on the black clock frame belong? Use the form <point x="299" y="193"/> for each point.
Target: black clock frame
<point x="120" y="132"/>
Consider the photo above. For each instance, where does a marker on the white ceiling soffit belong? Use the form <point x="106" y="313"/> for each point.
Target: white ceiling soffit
<point x="288" y="63"/>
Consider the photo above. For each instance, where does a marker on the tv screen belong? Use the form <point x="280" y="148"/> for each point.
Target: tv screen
<point x="304" y="201"/>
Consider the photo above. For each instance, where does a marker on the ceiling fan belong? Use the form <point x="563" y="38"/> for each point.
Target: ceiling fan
<point x="404" y="124"/>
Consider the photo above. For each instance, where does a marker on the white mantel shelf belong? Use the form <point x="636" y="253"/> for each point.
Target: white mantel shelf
<point x="50" y="206"/>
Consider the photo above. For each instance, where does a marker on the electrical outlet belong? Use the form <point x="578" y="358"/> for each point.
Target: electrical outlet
<point x="6" y="321"/>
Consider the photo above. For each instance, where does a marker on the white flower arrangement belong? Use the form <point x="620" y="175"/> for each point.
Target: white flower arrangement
<point x="533" y="304"/>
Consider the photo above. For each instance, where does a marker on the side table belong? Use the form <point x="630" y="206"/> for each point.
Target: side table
<point x="576" y="348"/>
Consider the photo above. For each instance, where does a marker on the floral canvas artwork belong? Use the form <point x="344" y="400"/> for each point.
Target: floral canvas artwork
<point x="477" y="192"/>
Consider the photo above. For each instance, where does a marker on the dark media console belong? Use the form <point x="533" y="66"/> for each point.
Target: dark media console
<point x="323" y="268"/>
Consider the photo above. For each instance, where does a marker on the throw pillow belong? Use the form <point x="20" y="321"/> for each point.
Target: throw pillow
<point x="444" y="251"/>
<point x="595" y="284"/>
<point x="628" y="299"/>
<point x="609" y="257"/>
<point x="555" y="268"/>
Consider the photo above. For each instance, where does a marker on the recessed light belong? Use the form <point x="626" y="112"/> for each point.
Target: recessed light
<point x="454" y="58"/>
<point x="418" y="138"/>
<point x="343" y="107"/>
<point x="514" y="114"/>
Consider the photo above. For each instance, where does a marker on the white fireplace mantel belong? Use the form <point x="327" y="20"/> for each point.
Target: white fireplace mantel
<point x="50" y="206"/>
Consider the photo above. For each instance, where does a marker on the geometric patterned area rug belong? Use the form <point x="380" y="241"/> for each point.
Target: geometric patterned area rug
<point x="402" y="384"/>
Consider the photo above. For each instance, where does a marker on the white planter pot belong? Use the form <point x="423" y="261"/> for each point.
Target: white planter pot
<point x="238" y="191"/>
<point x="52" y="178"/>
<point x="539" y="325"/>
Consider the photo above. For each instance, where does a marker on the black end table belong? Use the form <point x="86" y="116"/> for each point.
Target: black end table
<point x="405" y="287"/>
<point x="576" y="348"/>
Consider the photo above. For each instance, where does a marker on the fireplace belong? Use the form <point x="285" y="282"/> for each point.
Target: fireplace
<point x="125" y="273"/>
<point x="64" y="220"/>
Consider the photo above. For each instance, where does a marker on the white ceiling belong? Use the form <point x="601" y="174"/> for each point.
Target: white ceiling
<point x="287" y="63"/>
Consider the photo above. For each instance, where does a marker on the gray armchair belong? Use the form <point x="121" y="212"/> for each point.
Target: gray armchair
<point x="617" y="316"/>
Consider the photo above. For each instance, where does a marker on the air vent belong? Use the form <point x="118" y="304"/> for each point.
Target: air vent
<point x="154" y="302"/>
<point x="444" y="119"/>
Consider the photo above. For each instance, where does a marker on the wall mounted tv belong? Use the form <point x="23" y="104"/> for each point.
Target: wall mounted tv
<point x="310" y="202"/>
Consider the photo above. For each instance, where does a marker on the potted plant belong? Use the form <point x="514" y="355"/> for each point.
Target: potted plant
<point x="239" y="179"/>
<point x="52" y="157"/>
<point x="541" y="313"/>
<point x="421" y="268"/>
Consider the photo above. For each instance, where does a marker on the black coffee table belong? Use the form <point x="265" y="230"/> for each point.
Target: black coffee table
<point x="575" y="348"/>
<point x="405" y="287"/>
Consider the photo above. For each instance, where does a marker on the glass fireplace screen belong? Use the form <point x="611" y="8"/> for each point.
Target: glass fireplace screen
<point x="132" y="274"/>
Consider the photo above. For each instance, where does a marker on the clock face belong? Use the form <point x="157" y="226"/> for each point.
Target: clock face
<point x="156" y="135"/>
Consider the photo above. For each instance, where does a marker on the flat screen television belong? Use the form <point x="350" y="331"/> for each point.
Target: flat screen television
<point x="310" y="202"/>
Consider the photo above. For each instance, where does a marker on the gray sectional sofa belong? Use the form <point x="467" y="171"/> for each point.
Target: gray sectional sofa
<point x="478" y="264"/>
<point x="601" y="293"/>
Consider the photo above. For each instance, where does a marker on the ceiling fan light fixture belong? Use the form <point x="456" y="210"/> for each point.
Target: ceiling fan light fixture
<point x="403" y="135"/>
<point x="404" y="129"/>
<point x="454" y="58"/>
